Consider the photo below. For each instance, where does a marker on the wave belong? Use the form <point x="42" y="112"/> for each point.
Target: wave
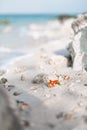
<point x="5" y="49"/>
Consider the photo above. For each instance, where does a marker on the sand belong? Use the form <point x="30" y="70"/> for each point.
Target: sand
<point x="61" y="107"/>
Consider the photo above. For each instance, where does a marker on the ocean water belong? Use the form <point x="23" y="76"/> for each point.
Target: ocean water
<point x="27" y="19"/>
<point x="18" y="33"/>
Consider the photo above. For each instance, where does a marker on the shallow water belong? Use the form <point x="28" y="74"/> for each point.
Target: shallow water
<point x="19" y="33"/>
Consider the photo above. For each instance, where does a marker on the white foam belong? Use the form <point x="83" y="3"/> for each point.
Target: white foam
<point x="4" y="49"/>
<point x="11" y="62"/>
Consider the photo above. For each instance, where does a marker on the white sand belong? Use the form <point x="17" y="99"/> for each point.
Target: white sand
<point x="63" y="107"/>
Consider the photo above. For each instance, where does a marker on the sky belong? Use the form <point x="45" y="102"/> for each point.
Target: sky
<point x="42" y="6"/>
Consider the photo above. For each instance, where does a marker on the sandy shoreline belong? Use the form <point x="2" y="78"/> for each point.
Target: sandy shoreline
<point x="62" y="107"/>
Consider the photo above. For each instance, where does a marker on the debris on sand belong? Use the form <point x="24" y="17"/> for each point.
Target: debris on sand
<point x="40" y="78"/>
<point x="17" y="93"/>
<point x="23" y="78"/>
<point x="3" y="80"/>
<point x="52" y="83"/>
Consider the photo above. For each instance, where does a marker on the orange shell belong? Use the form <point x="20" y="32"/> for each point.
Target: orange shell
<point x="52" y="83"/>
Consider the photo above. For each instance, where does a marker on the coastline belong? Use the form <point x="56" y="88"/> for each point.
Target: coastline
<point x="45" y="107"/>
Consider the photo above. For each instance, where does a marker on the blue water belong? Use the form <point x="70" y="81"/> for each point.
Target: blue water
<point x="27" y="19"/>
<point x="19" y="40"/>
<point x="20" y="28"/>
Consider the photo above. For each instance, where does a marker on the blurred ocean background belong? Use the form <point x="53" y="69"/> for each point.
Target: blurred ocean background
<point x="19" y="33"/>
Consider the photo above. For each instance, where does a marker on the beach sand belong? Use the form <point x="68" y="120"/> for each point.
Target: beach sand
<point x="43" y="104"/>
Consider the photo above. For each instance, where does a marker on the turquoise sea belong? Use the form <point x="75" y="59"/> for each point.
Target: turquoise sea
<point x="19" y="32"/>
<point x="18" y="20"/>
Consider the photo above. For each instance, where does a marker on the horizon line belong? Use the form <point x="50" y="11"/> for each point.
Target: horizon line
<point x="70" y="13"/>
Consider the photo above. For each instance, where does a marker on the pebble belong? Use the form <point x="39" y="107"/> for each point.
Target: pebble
<point x="23" y="78"/>
<point x="3" y="80"/>
<point x="19" y="102"/>
<point x="40" y="78"/>
<point x="26" y="123"/>
<point x="85" y="84"/>
<point x="17" y="93"/>
<point x="60" y="115"/>
<point x="11" y="86"/>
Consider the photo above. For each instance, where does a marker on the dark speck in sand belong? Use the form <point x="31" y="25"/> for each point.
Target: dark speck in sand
<point x="26" y="123"/>
<point x="85" y="84"/>
<point x="51" y="125"/>
<point x="18" y="102"/>
<point x="17" y="93"/>
<point x="60" y="115"/>
<point x="11" y="86"/>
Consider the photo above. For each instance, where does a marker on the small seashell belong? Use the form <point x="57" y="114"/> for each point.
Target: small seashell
<point x="67" y="77"/>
